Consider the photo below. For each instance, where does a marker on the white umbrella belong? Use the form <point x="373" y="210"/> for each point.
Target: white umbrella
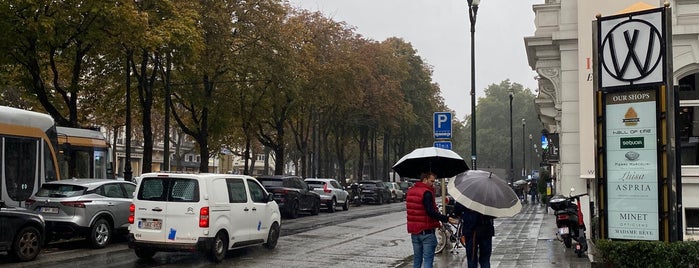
<point x="442" y="162"/>
<point x="484" y="192"/>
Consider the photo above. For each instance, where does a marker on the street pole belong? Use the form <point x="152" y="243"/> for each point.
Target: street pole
<point x="524" y="159"/>
<point x="472" y="12"/>
<point x="128" y="174"/>
<point x="512" y="151"/>
<point x="531" y="155"/>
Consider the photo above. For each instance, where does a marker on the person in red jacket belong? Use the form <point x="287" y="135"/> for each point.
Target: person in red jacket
<point x="423" y="218"/>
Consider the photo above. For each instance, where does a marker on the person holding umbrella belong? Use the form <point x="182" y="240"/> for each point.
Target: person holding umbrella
<point x="478" y="231"/>
<point x="480" y="197"/>
<point x="423" y="218"/>
<point x="428" y="164"/>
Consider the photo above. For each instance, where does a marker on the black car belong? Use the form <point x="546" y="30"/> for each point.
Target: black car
<point x="21" y="232"/>
<point x="375" y="191"/>
<point x="292" y="194"/>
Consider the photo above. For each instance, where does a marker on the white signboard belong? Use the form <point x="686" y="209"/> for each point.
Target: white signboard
<point x="631" y="50"/>
<point x="632" y="168"/>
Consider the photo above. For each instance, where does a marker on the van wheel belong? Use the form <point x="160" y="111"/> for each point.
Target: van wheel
<point x="219" y="248"/>
<point x="143" y="253"/>
<point x="100" y="233"/>
<point x="272" y="237"/>
<point x="27" y="244"/>
<point x="331" y="205"/>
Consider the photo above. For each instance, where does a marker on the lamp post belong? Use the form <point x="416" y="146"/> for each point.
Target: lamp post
<point x="512" y="151"/>
<point x="524" y="150"/>
<point x="472" y="12"/>
<point x="531" y="156"/>
<point x="128" y="174"/>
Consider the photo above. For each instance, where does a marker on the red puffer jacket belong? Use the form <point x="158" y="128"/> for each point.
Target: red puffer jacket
<point x="418" y="220"/>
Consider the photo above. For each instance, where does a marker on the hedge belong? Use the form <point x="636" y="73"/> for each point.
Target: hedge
<point x="621" y="254"/>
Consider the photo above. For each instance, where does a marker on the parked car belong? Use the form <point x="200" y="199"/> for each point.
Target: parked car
<point x="396" y="193"/>
<point x="90" y="208"/>
<point x="405" y="185"/>
<point x="375" y="191"/>
<point x="331" y="193"/>
<point x="292" y="194"/>
<point x="208" y="213"/>
<point x="21" y="232"/>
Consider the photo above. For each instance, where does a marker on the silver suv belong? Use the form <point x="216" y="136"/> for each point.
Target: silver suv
<point x="331" y="193"/>
<point x="91" y="208"/>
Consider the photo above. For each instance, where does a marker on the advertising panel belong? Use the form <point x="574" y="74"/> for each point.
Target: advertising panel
<point x="632" y="165"/>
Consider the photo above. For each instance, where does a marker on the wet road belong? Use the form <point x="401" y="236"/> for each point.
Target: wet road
<point x="365" y="235"/>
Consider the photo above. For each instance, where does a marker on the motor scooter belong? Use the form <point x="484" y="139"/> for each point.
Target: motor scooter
<point x="569" y="220"/>
<point x="357" y="195"/>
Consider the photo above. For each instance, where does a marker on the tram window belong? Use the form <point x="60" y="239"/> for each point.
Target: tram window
<point x="100" y="163"/>
<point x="49" y="168"/>
<point x="20" y="167"/>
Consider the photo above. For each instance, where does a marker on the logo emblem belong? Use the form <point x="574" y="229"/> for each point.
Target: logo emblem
<point x="631" y="117"/>
<point x="631" y="50"/>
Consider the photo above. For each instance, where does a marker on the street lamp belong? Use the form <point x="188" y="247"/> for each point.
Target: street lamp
<point x="524" y="165"/>
<point x="512" y="151"/>
<point x="472" y="12"/>
<point x="531" y="156"/>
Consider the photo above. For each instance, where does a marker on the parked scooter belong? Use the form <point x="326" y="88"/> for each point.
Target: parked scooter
<point x="357" y="195"/>
<point x="569" y="219"/>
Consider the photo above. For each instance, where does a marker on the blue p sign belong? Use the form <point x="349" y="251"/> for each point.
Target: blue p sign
<point x="442" y="125"/>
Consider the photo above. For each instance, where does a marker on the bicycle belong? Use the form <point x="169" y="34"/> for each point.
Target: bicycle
<point x="452" y="233"/>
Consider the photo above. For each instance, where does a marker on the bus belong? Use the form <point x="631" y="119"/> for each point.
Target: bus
<point x="28" y="150"/>
<point x="83" y="153"/>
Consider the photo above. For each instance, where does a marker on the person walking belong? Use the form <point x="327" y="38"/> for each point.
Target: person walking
<point x="478" y="232"/>
<point x="423" y="217"/>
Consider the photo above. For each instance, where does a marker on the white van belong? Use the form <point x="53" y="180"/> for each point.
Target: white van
<point x="209" y="213"/>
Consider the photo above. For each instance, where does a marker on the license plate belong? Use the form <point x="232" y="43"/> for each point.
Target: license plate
<point x="563" y="230"/>
<point x="150" y="224"/>
<point x="48" y="210"/>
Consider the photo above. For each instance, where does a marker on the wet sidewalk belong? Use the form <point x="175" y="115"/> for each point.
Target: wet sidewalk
<point x="525" y="240"/>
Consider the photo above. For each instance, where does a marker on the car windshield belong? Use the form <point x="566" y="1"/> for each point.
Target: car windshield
<point x="368" y="185"/>
<point x="272" y="182"/>
<point x="60" y="190"/>
<point x="315" y="183"/>
<point x="169" y="189"/>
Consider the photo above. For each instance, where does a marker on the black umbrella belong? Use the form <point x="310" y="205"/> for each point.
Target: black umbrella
<point x="484" y="192"/>
<point x="442" y="162"/>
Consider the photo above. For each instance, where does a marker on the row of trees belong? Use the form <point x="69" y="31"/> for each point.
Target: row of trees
<point x="236" y="74"/>
<point x="244" y="75"/>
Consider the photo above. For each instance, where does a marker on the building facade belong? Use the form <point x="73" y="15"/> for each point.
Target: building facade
<point x="561" y="52"/>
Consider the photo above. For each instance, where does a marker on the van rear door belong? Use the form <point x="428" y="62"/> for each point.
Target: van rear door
<point x="167" y="210"/>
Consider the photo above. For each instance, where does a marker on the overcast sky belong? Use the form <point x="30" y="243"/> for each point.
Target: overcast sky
<point x="440" y="31"/>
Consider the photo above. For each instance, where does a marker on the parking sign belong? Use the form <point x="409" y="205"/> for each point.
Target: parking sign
<point x="442" y="125"/>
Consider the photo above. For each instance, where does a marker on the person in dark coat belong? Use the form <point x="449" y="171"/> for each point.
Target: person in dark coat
<point x="478" y="231"/>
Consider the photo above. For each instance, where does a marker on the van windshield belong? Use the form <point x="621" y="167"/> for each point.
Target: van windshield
<point x="169" y="189"/>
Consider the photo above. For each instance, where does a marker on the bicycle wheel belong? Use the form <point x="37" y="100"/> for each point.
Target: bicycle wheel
<point x="442" y="238"/>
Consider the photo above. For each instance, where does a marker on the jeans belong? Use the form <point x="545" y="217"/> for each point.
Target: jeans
<point x="423" y="249"/>
<point x="480" y="252"/>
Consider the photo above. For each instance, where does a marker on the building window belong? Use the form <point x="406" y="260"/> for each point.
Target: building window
<point x="688" y="127"/>
<point x="189" y="158"/>
<point x="260" y="157"/>
<point x="692" y="220"/>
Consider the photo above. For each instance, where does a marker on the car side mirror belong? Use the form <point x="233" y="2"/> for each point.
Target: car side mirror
<point x="270" y="197"/>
